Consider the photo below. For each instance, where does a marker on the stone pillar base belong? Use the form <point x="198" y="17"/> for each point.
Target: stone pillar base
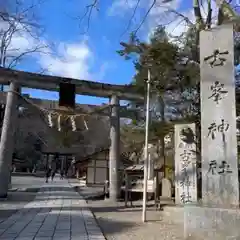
<point x="211" y="223"/>
<point x="3" y="197"/>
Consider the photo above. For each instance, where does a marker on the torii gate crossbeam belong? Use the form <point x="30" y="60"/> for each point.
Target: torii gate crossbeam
<point x="83" y="87"/>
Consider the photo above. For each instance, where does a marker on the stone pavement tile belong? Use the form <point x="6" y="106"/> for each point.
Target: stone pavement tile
<point x="77" y="225"/>
<point x="26" y="235"/>
<point x="18" y="226"/>
<point x="49" y="224"/>
<point x="38" y="219"/>
<point x="50" y="220"/>
<point x="43" y="238"/>
<point x="95" y="233"/>
<point x="62" y="235"/>
<point x="2" y="231"/>
<point x="8" y="222"/>
<point x="52" y="215"/>
<point x="63" y="227"/>
<point x="24" y="238"/>
<point x="3" y="238"/>
<point x="79" y="234"/>
<point x="29" y="229"/>
<point x="7" y="235"/>
<point x="5" y="226"/>
<point x="79" y="231"/>
<point x="11" y="231"/>
<point x="45" y="233"/>
<point x="97" y="238"/>
<point x="61" y="238"/>
<point x="47" y="227"/>
<point x="62" y="231"/>
<point x="80" y="238"/>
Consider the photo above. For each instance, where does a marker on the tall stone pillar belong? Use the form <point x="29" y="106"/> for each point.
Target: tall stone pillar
<point x="7" y="138"/>
<point x="220" y="185"/>
<point x="114" y="153"/>
<point x="218" y="217"/>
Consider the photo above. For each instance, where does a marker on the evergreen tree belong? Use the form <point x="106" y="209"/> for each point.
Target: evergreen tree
<point x="172" y="80"/>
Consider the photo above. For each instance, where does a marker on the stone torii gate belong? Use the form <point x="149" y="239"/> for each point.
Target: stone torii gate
<point x="18" y="79"/>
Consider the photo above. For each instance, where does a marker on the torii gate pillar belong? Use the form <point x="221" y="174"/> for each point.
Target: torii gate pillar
<point x="114" y="153"/>
<point x="7" y="138"/>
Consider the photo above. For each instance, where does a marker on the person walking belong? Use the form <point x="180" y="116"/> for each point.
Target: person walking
<point x="53" y="172"/>
<point x="53" y="166"/>
<point x="48" y="173"/>
<point x="61" y="174"/>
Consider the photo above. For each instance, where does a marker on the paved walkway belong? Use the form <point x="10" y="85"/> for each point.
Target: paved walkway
<point x="57" y="212"/>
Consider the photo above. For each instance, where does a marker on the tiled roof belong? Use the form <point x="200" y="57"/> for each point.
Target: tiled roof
<point x="140" y="167"/>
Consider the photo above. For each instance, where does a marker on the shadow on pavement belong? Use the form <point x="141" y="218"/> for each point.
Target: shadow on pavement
<point x="108" y="226"/>
<point x="14" y="202"/>
<point x="112" y="226"/>
<point x="104" y="208"/>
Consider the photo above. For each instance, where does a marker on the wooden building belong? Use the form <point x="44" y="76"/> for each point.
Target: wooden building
<point x="96" y="166"/>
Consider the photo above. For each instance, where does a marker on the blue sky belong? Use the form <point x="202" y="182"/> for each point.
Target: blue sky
<point x="91" y="55"/>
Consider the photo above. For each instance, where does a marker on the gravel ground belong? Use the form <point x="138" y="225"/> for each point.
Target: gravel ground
<point x="118" y="222"/>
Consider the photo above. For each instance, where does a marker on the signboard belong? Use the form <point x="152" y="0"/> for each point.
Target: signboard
<point x="185" y="164"/>
<point x="150" y="186"/>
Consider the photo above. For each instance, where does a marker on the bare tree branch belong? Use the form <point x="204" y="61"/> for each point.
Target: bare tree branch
<point x="18" y="22"/>
<point x="15" y="60"/>
<point x="145" y="17"/>
<point x="132" y="17"/>
<point x="88" y="13"/>
<point x="94" y="5"/>
<point x="181" y="15"/>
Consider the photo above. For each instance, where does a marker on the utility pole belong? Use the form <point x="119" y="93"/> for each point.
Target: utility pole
<point x="146" y="150"/>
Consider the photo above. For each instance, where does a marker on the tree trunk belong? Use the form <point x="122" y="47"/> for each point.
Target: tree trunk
<point x="198" y="14"/>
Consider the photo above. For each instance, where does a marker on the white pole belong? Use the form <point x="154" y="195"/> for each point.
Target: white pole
<point x="146" y="151"/>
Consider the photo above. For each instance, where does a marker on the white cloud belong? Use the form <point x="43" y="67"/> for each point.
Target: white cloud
<point x="103" y="69"/>
<point x="71" y="60"/>
<point x="120" y="7"/>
